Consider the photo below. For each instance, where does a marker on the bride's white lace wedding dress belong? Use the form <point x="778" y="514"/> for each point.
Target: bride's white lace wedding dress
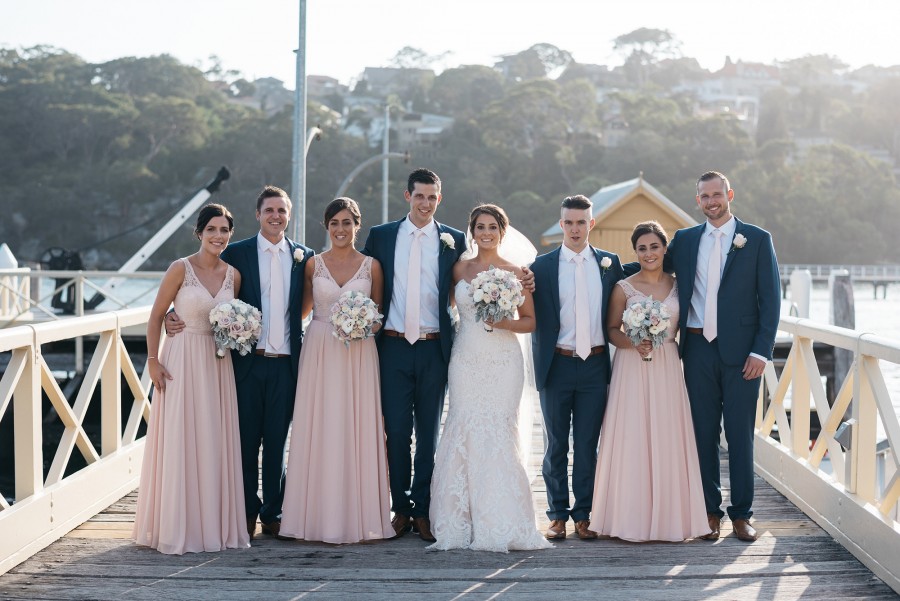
<point x="480" y="493"/>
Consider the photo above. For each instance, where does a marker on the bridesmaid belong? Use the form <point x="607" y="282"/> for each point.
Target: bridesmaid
<point x="191" y="494"/>
<point x="337" y="483"/>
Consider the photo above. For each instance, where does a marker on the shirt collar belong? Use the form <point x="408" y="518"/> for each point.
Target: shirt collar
<point x="726" y="228"/>
<point x="567" y="254"/>
<point x="407" y="227"/>
<point x="264" y="245"/>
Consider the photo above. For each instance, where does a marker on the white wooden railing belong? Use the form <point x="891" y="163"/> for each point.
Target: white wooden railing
<point x="889" y="272"/>
<point x="46" y="508"/>
<point x="15" y="292"/>
<point x="848" y="502"/>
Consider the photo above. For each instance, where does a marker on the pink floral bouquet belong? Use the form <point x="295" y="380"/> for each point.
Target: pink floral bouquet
<point x="496" y="293"/>
<point x="647" y="320"/>
<point x="236" y="326"/>
<point x="354" y="316"/>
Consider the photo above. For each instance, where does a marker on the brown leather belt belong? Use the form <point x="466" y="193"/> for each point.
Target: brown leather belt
<point x="595" y="350"/>
<point x="426" y="336"/>
<point x="263" y="353"/>
<point x="695" y="331"/>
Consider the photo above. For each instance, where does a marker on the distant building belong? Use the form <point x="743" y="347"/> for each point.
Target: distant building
<point x="422" y="133"/>
<point x="618" y="208"/>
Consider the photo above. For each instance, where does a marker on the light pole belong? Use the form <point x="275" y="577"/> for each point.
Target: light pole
<point x="298" y="164"/>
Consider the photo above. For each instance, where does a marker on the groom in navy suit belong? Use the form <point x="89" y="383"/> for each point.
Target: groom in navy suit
<point x="571" y="362"/>
<point x="729" y="293"/>
<point x="271" y="268"/>
<point x="417" y="254"/>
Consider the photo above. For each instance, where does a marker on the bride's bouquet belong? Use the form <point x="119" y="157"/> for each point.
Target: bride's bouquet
<point x="236" y="326"/>
<point x="353" y="316"/>
<point x="647" y="320"/>
<point x="496" y="293"/>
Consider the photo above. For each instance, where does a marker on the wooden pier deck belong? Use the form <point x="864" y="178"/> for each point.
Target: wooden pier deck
<point x="793" y="559"/>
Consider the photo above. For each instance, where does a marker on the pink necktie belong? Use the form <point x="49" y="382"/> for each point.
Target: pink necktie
<point x="411" y="322"/>
<point x="275" y="339"/>
<point x="713" y="277"/>
<point x="582" y="315"/>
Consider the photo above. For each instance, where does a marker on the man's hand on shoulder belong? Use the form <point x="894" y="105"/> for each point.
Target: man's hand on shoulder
<point x="528" y="279"/>
<point x="173" y="324"/>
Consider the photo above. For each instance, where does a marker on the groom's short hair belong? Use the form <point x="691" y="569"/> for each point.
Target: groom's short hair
<point x="272" y="192"/>
<point x="578" y="201"/>
<point x="711" y="175"/>
<point x="422" y="176"/>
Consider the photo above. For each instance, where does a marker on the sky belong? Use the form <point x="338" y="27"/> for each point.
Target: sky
<point x="258" y="37"/>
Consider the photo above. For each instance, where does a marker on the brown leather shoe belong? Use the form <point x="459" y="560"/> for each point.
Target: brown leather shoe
<point x="715" y="522"/>
<point x="251" y="527"/>
<point x="744" y="531"/>
<point x="423" y="527"/>
<point x="583" y="531"/>
<point x="401" y="524"/>
<point x="556" y="531"/>
<point x="272" y="528"/>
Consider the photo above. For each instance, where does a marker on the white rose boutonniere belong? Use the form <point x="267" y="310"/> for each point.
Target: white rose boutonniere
<point x="739" y="241"/>
<point x="448" y="241"/>
<point x="605" y="263"/>
<point x="298" y="257"/>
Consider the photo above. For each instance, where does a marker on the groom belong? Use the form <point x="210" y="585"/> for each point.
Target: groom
<point x="729" y="293"/>
<point x="571" y="363"/>
<point x="417" y="255"/>
<point x="271" y="268"/>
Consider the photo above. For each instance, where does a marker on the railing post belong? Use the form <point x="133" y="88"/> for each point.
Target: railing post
<point x="800" y="399"/>
<point x="865" y="412"/>
<point x="111" y="397"/>
<point x="79" y="312"/>
<point x="29" y="459"/>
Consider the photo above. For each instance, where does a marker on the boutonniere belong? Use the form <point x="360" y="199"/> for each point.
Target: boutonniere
<point x="739" y="241"/>
<point x="298" y="258"/>
<point x="605" y="263"/>
<point x="447" y="241"/>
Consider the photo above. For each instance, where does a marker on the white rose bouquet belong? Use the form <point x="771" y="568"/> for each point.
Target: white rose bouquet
<point x="647" y="320"/>
<point x="496" y="293"/>
<point x="236" y="326"/>
<point x="353" y="316"/>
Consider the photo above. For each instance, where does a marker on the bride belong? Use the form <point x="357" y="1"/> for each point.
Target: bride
<point x="480" y="493"/>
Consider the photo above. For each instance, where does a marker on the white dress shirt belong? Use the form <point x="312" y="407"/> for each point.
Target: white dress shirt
<point x="698" y="300"/>
<point x="566" y="338"/>
<point x="265" y="274"/>
<point x="428" y="281"/>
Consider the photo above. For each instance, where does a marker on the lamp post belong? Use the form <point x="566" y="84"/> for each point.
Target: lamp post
<point x="298" y="164"/>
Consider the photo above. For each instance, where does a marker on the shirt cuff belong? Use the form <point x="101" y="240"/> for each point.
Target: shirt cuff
<point x="760" y="357"/>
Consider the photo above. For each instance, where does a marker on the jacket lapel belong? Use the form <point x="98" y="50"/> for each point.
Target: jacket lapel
<point x="554" y="282"/>
<point x="296" y="273"/>
<point x="252" y="257"/>
<point x="729" y="258"/>
<point x="446" y="256"/>
<point x="693" y="251"/>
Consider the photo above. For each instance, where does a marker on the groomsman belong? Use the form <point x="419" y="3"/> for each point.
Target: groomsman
<point x="271" y="268"/>
<point x="417" y="254"/>
<point x="572" y="367"/>
<point x="729" y="293"/>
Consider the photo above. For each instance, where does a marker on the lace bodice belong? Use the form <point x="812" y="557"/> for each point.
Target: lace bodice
<point x="326" y="290"/>
<point x="671" y="302"/>
<point x="193" y="302"/>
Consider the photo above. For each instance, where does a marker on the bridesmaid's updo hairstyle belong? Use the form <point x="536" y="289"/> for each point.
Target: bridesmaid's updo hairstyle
<point x="649" y="227"/>
<point x="494" y="211"/>
<point x="339" y="204"/>
<point x="207" y="213"/>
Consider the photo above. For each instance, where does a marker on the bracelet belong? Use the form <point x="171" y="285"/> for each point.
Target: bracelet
<point x="148" y="358"/>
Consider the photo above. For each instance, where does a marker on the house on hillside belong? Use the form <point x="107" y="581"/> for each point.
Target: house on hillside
<point x="618" y="208"/>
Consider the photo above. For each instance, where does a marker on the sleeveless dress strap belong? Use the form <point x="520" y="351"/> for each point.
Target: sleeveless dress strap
<point x="190" y="278"/>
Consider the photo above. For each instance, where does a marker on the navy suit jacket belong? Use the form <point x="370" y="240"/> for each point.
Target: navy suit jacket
<point x="547" y="307"/>
<point x="244" y="257"/>
<point x="382" y="244"/>
<point x="749" y="292"/>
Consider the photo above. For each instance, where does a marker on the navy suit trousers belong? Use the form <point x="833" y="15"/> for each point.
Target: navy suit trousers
<point x="265" y="406"/>
<point x="413" y="386"/>
<point x="575" y="393"/>
<point x="719" y="394"/>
